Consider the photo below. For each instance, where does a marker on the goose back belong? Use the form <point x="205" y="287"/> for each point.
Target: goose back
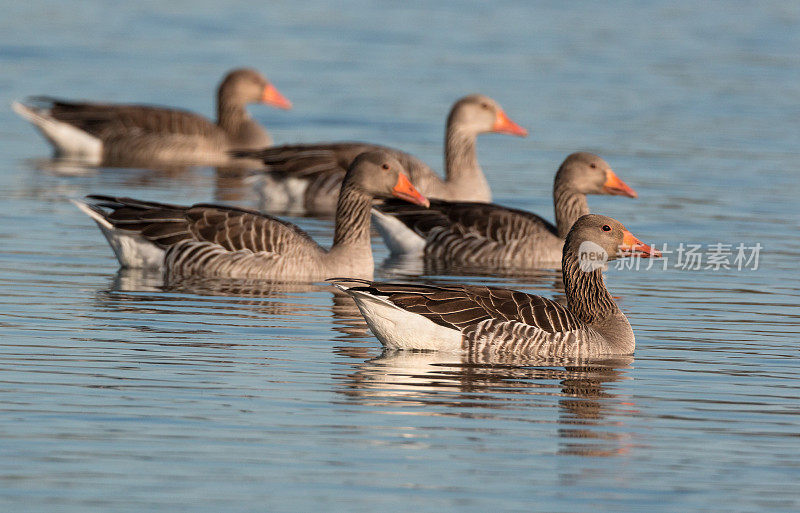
<point x="308" y="177"/>
<point x="481" y="234"/>
<point x="212" y="240"/>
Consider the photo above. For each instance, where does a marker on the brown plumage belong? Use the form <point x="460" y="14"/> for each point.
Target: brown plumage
<point x="490" y="235"/>
<point x="215" y="240"/>
<point x="494" y="321"/>
<point x="306" y="176"/>
<point x="117" y="134"/>
<point x="463" y="307"/>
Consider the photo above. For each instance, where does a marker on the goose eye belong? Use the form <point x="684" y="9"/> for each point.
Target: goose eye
<point x="484" y="105"/>
<point x="385" y="166"/>
<point x="606" y="228"/>
<point x="593" y="165"/>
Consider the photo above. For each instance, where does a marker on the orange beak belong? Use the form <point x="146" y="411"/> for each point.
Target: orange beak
<point x="617" y="187"/>
<point x="504" y="125"/>
<point x="405" y="191"/>
<point x="271" y="96"/>
<point x="631" y="246"/>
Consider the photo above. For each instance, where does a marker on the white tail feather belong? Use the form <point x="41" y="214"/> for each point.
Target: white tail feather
<point x="399" y="238"/>
<point x="93" y="213"/>
<point x="67" y="139"/>
<point x="400" y="329"/>
<point x="131" y="249"/>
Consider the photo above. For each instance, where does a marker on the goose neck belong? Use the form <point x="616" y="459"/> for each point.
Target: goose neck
<point x="460" y="157"/>
<point x="231" y="113"/>
<point x="587" y="296"/>
<point x="569" y="206"/>
<point x="352" y="218"/>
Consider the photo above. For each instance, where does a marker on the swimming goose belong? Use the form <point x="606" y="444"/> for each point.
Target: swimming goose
<point x="306" y="177"/>
<point x="491" y="321"/>
<point x="215" y="240"/>
<point x="116" y="134"/>
<point x="485" y="234"/>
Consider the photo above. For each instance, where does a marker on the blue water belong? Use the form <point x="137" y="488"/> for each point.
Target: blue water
<point x="118" y="394"/>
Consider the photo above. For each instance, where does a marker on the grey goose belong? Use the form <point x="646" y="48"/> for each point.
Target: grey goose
<point x="222" y="241"/>
<point x="120" y="134"/>
<point x="490" y="235"/>
<point x="491" y="321"/>
<point x="306" y="177"/>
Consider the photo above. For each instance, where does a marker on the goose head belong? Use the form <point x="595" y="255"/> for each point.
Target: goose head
<point x="607" y="237"/>
<point x="479" y="114"/>
<point x="380" y="175"/>
<point x="589" y="174"/>
<point x="246" y="85"/>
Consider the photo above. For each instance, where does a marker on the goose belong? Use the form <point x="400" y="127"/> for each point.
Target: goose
<point x="489" y="235"/>
<point x="221" y="241"/>
<point x="117" y="134"/>
<point x="491" y="321"/>
<point x="306" y="177"/>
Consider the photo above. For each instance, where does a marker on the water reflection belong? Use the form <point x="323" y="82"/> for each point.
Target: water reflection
<point x="590" y="414"/>
<point x="144" y="280"/>
<point x="74" y="166"/>
<point x="231" y="184"/>
<point x="62" y="166"/>
<point x="138" y="290"/>
<point x="234" y="185"/>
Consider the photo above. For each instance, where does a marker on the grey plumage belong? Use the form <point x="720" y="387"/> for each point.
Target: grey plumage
<point x="214" y="240"/>
<point x="479" y="234"/>
<point x="322" y="168"/>
<point x="491" y="320"/>
<point x="490" y="235"/>
<point x="319" y="166"/>
<point x="494" y="322"/>
<point x="131" y="134"/>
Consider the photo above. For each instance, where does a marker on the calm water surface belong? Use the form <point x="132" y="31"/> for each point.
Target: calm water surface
<point x="122" y="393"/>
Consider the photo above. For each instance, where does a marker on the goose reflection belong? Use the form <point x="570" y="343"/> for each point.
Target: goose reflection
<point x="152" y="291"/>
<point x="233" y="185"/>
<point x="72" y="166"/>
<point x="590" y="415"/>
<point x="143" y="285"/>
<point x="230" y="183"/>
<point x="62" y="166"/>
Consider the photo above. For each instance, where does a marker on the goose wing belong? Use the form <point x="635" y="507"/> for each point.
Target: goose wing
<point x="471" y="308"/>
<point x="320" y="162"/>
<point x="107" y="121"/>
<point x="227" y="228"/>
<point x="487" y="221"/>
